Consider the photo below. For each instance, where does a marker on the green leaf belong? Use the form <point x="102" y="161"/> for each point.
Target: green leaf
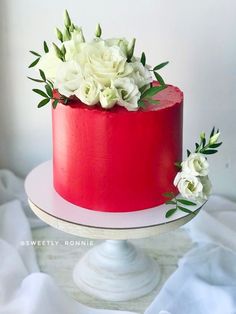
<point x="143" y="59"/>
<point x="45" y="47"/>
<point x="152" y="101"/>
<point x="160" y="66"/>
<point x="143" y="88"/>
<point x="153" y="91"/>
<point x="186" y="202"/>
<point x="212" y="132"/>
<point x="42" y="75"/>
<point x="209" y="151"/>
<point x="49" y="90"/>
<point x="34" y="63"/>
<point x="188" y="152"/>
<point x="170" y="212"/>
<point x="50" y="83"/>
<point x="54" y="103"/>
<point x="35" y="80"/>
<point x="203" y="142"/>
<point x="141" y="104"/>
<point x="170" y="202"/>
<point x="215" y="145"/>
<point x="185" y="210"/>
<point x="40" y="92"/>
<point x="43" y="102"/>
<point x="159" y="78"/>
<point x="35" y="53"/>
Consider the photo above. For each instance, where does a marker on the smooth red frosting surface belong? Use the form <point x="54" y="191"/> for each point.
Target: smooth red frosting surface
<point x="117" y="160"/>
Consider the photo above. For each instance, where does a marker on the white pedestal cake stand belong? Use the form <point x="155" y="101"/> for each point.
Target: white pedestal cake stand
<point x="114" y="270"/>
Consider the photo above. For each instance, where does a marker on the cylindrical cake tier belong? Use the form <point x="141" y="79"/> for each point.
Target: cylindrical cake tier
<point x="117" y="160"/>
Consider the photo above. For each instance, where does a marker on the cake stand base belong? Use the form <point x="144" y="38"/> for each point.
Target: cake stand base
<point x="115" y="270"/>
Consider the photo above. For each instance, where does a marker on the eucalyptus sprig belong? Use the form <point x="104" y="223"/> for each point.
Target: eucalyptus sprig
<point x="45" y="48"/>
<point x="48" y="93"/>
<point x="177" y="205"/>
<point x="155" y="69"/>
<point x="207" y="147"/>
<point x="157" y="75"/>
<point x="148" y="93"/>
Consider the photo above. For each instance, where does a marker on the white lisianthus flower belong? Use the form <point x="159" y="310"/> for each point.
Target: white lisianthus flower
<point x="207" y="186"/>
<point x="141" y="74"/>
<point x="196" y="164"/>
<point x="49" y="64"/>
<point x="120" y="42"/>
<point x="88" y="92"/>
<point x="189" y="186"/>
<point x="68" y="78"/>
<point x="128" y="92"/>
<point x="74" y="45"/>
<point x="103" y="63"/>
<point x="108" y="97"/>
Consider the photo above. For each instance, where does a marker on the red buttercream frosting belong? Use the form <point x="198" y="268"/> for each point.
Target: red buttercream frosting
<point x="117" y="160"/>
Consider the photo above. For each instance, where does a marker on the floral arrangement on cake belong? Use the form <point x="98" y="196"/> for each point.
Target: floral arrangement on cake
<point x="100" y="71"/>
<point x="192" y="179"/>
<point x="105" y="72"/>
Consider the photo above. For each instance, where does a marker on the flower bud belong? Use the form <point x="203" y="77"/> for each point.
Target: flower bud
<point x="66" y="35"/>
<point x="57" y="51"/>
<point x="59" y="34"/>
<point x="98" y="31"/>
<point x="202" y="135"/>
<point x="72" y="28"/>
<point x="63" y="50"/>
<point x="67" y="20"/>
<point x="214" y="138"/>
<point x="130" y="49"/>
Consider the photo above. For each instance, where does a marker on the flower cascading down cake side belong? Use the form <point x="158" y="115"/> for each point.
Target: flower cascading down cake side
<point x="117" y="127"/>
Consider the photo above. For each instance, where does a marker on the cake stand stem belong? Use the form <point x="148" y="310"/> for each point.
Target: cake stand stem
<point x="116" y="270"/>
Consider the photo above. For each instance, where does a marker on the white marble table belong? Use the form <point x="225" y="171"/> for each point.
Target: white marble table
<point x="58" y="260"/>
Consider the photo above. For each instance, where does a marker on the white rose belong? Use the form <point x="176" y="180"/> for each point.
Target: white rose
<point x="88" y="92"/>
<point x="128" y="92"/>
<point x="103" y="63"/>
<point x="141" y="74"/>
<point x="196" y="164"/>
<point x="68" y="78"/>
<point x="49" y="64"/>
<point x="189" y="186"/>
<point x="108" y="97"/>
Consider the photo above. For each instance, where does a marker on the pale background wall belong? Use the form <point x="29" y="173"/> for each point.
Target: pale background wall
<point x="198" y="37"/>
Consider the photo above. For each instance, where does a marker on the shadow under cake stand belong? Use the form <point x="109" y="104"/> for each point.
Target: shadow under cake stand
<point x="114" y="270"/>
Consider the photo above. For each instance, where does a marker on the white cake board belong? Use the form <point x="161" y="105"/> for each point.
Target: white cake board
<point x="114" y="270"/>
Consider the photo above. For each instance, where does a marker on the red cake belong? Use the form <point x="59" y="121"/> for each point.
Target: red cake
<point x="117" y="160"/>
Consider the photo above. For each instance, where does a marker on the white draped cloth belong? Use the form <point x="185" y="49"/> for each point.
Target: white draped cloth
<point x="204" y="282"/>
<point x="23" y="289"/>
